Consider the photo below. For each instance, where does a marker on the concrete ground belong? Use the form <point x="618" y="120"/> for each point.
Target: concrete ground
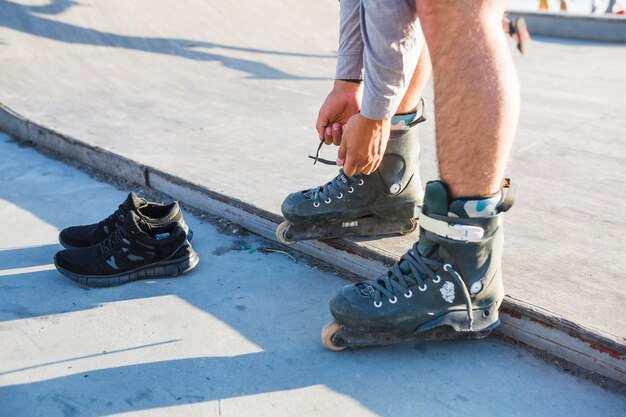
<point x="224" y="95"/>
<point x="237" y="336"/>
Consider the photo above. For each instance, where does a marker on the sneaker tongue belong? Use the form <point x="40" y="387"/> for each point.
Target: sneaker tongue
<point x="133" y="202"/>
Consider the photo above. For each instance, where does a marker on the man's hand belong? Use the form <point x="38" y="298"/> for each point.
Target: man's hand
<point x="363" y="145"/>
<point x="342" y="102"/>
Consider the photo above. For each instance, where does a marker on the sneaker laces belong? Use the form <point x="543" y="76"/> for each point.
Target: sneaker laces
<point x="112" y="240"/>
<point x="420" y="269"/>
<point x="115" y="219"/>
<point x="335" y="188"/>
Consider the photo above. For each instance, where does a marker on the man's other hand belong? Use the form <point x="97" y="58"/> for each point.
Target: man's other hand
<point x="342" y="102"/>
<point x="363" y="145"/>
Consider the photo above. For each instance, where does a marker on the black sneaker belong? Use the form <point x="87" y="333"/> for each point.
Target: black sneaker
<point x="154" y="214"/>
<point x="132" y="252"/>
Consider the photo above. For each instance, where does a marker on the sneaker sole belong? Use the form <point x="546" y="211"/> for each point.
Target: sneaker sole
<point x="163" y="269"/>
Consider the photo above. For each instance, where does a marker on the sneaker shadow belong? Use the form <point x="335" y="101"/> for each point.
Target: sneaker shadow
<point x="26" y="257"/>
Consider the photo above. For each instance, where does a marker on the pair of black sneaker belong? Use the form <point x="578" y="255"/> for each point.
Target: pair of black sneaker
<point x="140" y="240"/>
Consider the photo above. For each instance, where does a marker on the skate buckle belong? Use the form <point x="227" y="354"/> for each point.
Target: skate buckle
<point x="466" y="232"/>
<point x="454" y="231"/>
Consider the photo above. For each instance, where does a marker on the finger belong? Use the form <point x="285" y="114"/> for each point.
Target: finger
<point x="341" y="154"/>
<point x="320" y="124"/>
<point x="373" y="166"/>
<point x="350" y="168"/>
<point x="336" y="133"/>
<point x="369" y="168"/>
<point x="378" y="162"/>
<point x="328" y="135"/>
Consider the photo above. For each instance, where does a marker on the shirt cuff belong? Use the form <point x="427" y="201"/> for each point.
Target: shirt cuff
<point x="377" y="108"/>
<point x="349" y="67"/>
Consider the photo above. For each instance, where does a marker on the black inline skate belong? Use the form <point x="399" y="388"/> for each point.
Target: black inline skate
<point x="448" y="286"/>
<point x="383" y="202"/>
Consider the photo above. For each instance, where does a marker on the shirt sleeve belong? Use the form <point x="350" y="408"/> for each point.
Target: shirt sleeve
<point x="392" y="39"/>
<point x="350" y="52"/>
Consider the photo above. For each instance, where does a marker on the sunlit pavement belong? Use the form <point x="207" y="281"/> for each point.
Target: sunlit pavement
<point x="239" y="335"/>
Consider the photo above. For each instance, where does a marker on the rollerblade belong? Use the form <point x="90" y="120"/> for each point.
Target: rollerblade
<point x="447" y="286"/>
<point x="383" y="202"/>
<point x="519" y="32"/>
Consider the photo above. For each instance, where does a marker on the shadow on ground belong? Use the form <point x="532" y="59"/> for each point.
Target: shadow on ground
<point x="32" y="20"/>
<point x="276" y="304"/>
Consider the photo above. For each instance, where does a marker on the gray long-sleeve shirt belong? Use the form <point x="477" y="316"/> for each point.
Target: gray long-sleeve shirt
<point x="379" y="42"/>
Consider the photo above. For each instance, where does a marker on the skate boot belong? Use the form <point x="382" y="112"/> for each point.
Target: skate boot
<point x="383" y="202"/>
<point x="448" y="286"/>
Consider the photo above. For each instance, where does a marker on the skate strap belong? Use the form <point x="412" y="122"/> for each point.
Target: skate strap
<point x="509" y="198"/>
<point x="422" y="117"/>
<point x="452" y="231"/>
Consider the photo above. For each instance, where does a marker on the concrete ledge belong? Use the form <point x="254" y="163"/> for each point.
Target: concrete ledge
<point x="588" y="348"/>
<point x="100" y="159"/>
<point x="561" y="25"/>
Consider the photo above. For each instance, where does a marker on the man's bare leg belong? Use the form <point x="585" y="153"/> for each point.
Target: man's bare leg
<point x="449" y="284"/>
<point x="476" y="92"/>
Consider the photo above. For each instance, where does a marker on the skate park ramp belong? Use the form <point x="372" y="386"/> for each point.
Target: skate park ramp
<point x="224" y="96"/>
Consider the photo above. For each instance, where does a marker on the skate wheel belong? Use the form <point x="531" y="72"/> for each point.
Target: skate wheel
<point x="281" y="233"/>
<point x="328" y="331"/>
<point x="482" y="334"/>
<point x="414" y="224"/>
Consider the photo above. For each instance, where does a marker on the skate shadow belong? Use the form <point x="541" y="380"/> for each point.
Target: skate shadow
<point x="31" y="20"/>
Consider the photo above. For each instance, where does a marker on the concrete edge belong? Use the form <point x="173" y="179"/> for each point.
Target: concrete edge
<point x="588" y="348"/>
<point x="582" y="27"/>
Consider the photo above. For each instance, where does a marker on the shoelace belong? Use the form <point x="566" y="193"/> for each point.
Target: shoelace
<point x="335" y="188"/>
<point x="317" y="158"/>
<point x="422" y="268"/>
<point x="115" y="219"/>
<point x="112" y="240"/>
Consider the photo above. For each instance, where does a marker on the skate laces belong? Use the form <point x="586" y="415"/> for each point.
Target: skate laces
<point x="336" y="188"/>
<point x="317" y="158"/>
<point x="420" y="269"/>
